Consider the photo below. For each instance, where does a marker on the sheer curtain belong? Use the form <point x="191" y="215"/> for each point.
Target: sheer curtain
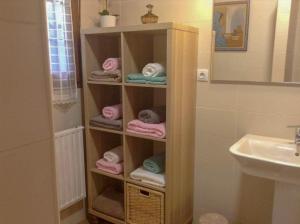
<point x="61" y="48"/>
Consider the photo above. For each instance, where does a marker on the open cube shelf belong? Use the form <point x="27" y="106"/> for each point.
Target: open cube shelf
<point x="175" y="47"/>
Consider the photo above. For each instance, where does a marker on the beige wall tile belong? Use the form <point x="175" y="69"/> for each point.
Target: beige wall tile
<point x="23" y="99"/>
<point x="20" y="11"/>
<point x="27" y="192"/>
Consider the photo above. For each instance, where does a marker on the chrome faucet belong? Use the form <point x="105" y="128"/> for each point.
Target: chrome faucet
<point x="297" y="138"/>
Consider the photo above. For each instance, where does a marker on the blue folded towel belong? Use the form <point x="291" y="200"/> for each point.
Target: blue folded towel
<point x="155" y="164"/>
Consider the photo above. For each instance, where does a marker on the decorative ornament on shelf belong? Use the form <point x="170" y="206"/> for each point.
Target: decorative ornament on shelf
<point x="106" y="19"/>
<point x="149" y="17"/>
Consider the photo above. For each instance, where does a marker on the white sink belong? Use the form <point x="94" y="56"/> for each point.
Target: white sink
<point x="275" y="159"/>
<point x="271" y="158"/>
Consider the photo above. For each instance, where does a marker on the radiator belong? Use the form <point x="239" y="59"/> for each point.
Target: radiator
<point x="70" y="168"/>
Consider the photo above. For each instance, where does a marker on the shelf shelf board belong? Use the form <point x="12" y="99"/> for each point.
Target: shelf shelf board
<point x="105" y="83"/>
<point x="106" y="130"/>
<point x="97" y="171"/>
<point x="145" y="137"/>
<point x="140" y="183"/>
<point x="106" y="217"/>
<point x="145" y="85"/>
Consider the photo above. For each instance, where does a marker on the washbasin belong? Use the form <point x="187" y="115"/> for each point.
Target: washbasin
<point x="267" y="157"/>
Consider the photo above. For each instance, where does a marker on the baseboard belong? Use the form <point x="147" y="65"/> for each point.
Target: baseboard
<point x="71" y="210"/>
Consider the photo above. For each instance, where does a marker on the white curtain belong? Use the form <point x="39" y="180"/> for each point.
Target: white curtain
<point x="61" y="48"/>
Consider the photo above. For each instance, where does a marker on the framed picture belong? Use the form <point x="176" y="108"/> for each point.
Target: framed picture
<point x="231" y="25"/>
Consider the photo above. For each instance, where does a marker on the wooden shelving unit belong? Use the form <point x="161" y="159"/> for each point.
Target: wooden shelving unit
<point x="174" y="46"/>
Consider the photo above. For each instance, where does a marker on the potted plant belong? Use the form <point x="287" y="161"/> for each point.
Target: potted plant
<point x="106" y="19"/>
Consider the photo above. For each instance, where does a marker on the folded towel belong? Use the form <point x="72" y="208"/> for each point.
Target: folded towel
<point x="114" y="168"/>
<point x="106" y="76"/>
<point x="100" y="121"/>
<point x="155" y="164"/>
<point x="152" y="130"/>
<point x="112" y="112"/>
<point x="139" y="78"/>
<point x="154" y="70"/>
<point x="111" y="64"/>
<point x="154" y="115"/>
<point x="114" y="155"/>
<point x="148" y="177"/>
<point x="113" y="201"/>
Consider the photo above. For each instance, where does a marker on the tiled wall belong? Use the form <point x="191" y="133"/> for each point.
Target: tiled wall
<point x="224" y="114"/>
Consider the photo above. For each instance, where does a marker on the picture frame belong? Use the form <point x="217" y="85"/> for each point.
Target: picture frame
<point x="231" y="25"/>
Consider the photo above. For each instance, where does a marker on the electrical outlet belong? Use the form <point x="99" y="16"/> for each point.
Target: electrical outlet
<point x="202" y="75"/>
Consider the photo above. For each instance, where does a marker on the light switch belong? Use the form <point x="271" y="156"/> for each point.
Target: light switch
<point x="202" y="75"/>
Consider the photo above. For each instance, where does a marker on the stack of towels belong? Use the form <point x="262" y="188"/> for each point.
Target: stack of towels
<point x="110" y="202"/>
<point x="112" y="161"/>
<point x="153" y="73"/>
<point x="152" y="172"/>
<point x="111" y="118"/>
<point x="150" y="122"/>
<point x="111" y="71"/>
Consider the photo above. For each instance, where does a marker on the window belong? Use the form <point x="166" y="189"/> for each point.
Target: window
<point x="61" y="50"/>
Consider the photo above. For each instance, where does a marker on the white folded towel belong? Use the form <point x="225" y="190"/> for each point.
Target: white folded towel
<point x="153" y="70"/>
<point x="148" y="177"/>
<point x="114" y="155"/>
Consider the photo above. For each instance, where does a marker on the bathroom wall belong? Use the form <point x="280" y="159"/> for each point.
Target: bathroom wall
<point x="224" y="114"/>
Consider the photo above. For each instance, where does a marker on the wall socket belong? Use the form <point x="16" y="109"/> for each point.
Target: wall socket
<point x="203" y="75"/>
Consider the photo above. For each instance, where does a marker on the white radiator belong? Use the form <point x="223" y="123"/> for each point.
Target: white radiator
<point x="70" y="168"/>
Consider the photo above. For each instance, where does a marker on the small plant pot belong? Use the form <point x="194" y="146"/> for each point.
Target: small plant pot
<point x="108" y="21"/>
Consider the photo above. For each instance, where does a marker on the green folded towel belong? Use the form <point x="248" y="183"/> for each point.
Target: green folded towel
<point x="139" y="78"/>
<point x="155" y="164"/>
<point x="135" y="76"/>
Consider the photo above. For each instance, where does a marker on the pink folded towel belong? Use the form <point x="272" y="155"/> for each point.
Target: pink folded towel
<point x="111" y="64"/>
<point x="152" y="130"/>
<point x="114" y="168"/>
<point x="112" y="112"/>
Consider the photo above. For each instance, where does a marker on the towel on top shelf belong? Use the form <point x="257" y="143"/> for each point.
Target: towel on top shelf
<point x="114" y="155"/>
<point x="139" y="78"/>
<point x="154" y="70"/>
<point x="113" y="112"/>
<point x="111" y="64"/>
<point x="154" y="115"/>
<point x="148" y="177"/>
<point x="155" y="164"/>
<point x="152" y="130"/>
<point x="100" y="121"/>
<point x="106" y="76"/>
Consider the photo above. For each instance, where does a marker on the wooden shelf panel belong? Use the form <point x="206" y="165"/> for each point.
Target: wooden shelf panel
<point x="106" y="130"/>
<point x="97" y="171"/>
<point x="105" y="83"/>
<point x="140" y="183"/>
<point x="145" y="85"/>
<point x="106" y="217"/>
<point x="145" y="137"/>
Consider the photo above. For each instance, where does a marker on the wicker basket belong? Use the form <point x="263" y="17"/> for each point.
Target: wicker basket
<point x="144" y="206"/>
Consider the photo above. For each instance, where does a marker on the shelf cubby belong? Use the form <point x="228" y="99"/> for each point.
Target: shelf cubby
<point x="98" y="98"/>
<point x="101" y="142"/>
<point x="137" y="150"/>
<point x="100" y="47"/>
<point x="100" y="184"/>
<point x="141" y="48"/>
<point x="139" y="98"/>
